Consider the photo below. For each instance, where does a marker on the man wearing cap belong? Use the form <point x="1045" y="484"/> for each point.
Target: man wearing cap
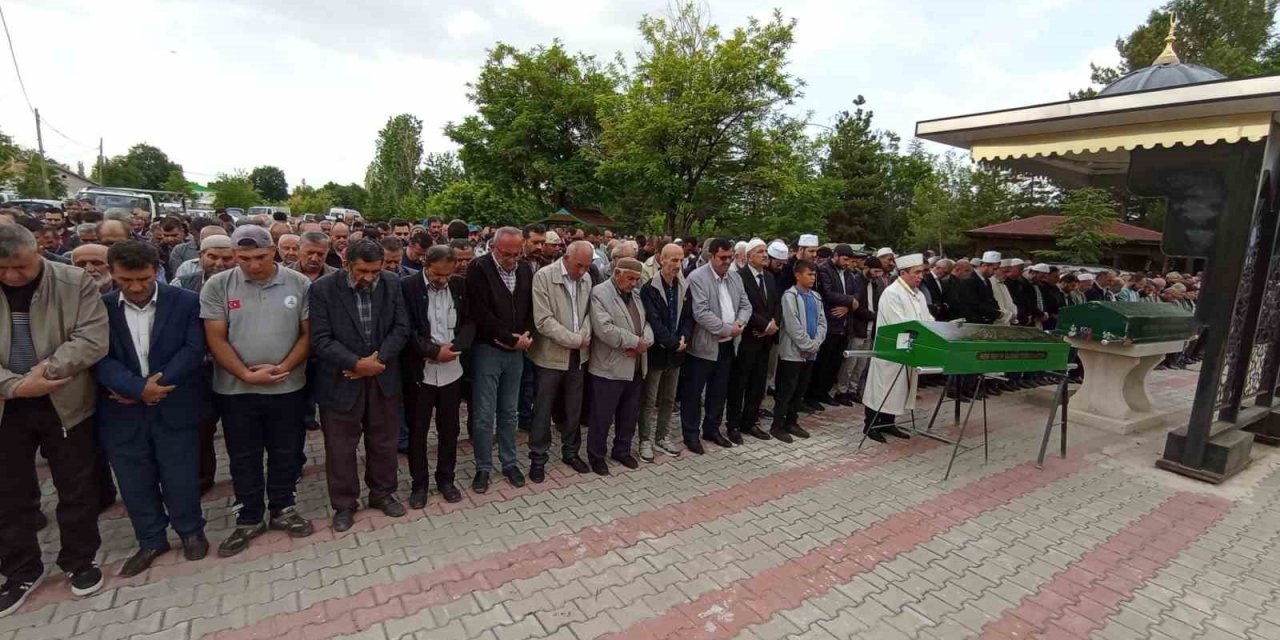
<point x="1000" y="288"/>
<point x="887" y="261"/>
<point x="751" y="364"/>
<point x="891" y="388"/>
<point x="620" y="337"/>
<point x="215" y="257"/>
<point x="257" y="325"/>
<point x="976" y="300"/>
<point x="806" y="249"/>
<point x="839" y="291"/>
<point x="720" y="311"/>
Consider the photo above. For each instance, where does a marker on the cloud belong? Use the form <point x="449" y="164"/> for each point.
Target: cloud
<point x="466" y="24"/>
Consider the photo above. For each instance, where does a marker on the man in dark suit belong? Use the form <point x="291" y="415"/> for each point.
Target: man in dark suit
<point x="934" y="286"/>
<point x="975" y="300"/>
<point x="358" y="328"/>
<point x="1100" y="290"/>
<point x="155" y="392"/>
<point x="839" y="291"/>
<point x="751" y="364"/>
<point x="440" y="332"/>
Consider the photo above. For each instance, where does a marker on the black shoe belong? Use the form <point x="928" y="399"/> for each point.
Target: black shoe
<point x="897" y="433"/>
<point x="795" y="430"/>
<point x="537" y="472"/>
<point x="140" y="561"/>
<point x="993" y="392"/>
<point x="719" y="439"/>
<point x="343" y="519"/>
<point x="450" y="492"/>
<point x="694" y="446"/>
<point x="418" y="498"/>
<point x="480" y="484"/>
<point x="844" y="400"/>
<point x="195" y="547"/>
<point x="629" y="461"/>
<point x="875" y="434"/>
<point x="812" y="406"/>
<point x="86" y="582"/>
<point x="578" y="464"/>
<point x="288" y="521"/>
<point x="239" y="539"/>
<point x="757" y="433"/>
<point x="514" y="476"/>
<point x="781" y="436"/>
<point x="735" y="437"/>
<point x="389" y="506"/>
<point x="13" y="594"/>
<point x="824" y="399"/>
<point x="600" y="467"/>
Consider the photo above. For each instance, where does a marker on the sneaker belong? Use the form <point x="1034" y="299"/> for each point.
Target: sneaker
<point x="646" y="450"/>
<point x="86" y="582"/>
<point x="291" y="523"/>
<point x="13" y="594"/>
<point x="670" y="446"/>
<point x="240" y="538"/>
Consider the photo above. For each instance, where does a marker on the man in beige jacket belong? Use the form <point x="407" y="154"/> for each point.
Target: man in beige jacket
<point x="562" y="326"/>
<point x="53" y="328"/>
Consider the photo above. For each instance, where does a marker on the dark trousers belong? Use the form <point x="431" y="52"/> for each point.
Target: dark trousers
<point x="746" y="386"/>
<point x="827" y="366"/>
<point x="205" y="432"/>
<point x="528" y="387"/>
<point x="873" y="419"/>
<point x="157" y="466"/>
<point x="375" y="418"/>
<point x="255" y="424"/>
<point x="29" y="426"/>
<point x="444" y="403"/>
<point x="567" y="388"/>
<point x="615" y="402"/>
<point x="696" y="376"/>
<point x="790" y="384"/>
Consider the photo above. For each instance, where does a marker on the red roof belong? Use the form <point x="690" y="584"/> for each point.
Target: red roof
<point x="1042" y="227"/>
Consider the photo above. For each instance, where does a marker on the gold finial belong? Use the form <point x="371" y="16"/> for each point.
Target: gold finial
<point x="1169" y="56"/>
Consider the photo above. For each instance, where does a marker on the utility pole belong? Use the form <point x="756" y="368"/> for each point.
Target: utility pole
<point x="102" y="168"/>
<point x="44" y="168"/>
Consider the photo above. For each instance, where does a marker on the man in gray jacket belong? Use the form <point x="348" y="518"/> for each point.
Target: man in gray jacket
<point x="720" y="310"/>
<point x="621" y="336"/>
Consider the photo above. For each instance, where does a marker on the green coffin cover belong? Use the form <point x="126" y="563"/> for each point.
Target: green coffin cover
<point x="1126" y="322"/>
<point x="971" y="348"/>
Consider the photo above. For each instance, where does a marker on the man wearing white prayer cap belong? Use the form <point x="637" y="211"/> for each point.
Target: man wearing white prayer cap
<point x="739" y="256"/>
<point x="884" y="399"/>
<point x="976" y="301"/>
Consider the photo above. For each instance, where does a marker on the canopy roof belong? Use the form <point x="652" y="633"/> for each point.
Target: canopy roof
<point x="1043" y="227"/>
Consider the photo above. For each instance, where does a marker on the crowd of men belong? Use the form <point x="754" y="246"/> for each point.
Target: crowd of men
<point x="125" y="342"/>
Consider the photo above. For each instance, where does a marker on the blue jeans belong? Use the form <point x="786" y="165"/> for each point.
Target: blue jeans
<point x="495" y="399"/>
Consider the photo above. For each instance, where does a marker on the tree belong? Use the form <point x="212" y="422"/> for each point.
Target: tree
<point x="9" y="153"/>
<point x="143" y="167"/>
<point x="857" y="156"/>
<point x="234" y="190"/>
<point x="439" y="170"/>
<point x="40" y="178"/>
<point x="392" y="176"/>
<point x="680" y="129"/>
<point x="1232" y="36"/>
<point x="307" y="199"/>
<point x="482" y="202"/>
<point x="269" y="182"/>
<point x="1082" y="237"/>
<point x="177" y="183"/>
<point x="536" y="123"/>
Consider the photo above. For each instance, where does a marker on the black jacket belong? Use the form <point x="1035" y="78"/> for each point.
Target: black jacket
<point x="663" y="354"/>
<point x="421" y="345"/>
<point x="337" y="339"/>
<point x="973" y="300"/>
<point x="834" y="295"/>
<point x="498" y="312"/>
<point x="764" y="306"/>
<point x="939" y="307"/>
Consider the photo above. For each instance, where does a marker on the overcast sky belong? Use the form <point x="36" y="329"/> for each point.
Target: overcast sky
<point x="306" y="84"/>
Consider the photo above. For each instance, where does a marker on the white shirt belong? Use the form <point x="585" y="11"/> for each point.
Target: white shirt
<point x="728" y="308"/>
<point x="443" y="318"/>
<point x="140" y="320"/>
<point x="571" y="286"/>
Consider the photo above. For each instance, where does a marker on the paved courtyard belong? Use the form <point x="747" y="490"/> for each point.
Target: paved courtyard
<point x="809" y="540"/>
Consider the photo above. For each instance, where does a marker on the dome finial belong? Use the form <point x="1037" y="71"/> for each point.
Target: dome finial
<point x="1169" y="56"/>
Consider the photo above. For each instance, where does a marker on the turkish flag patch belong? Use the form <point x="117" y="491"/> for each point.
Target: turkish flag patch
<point x="234" y="305"/>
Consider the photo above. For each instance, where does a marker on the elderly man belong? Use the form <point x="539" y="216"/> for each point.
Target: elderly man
<point x="720" y="311"/>
<point x="500" y="288"/>
<point x="1000" y="289"/>
<point x="257" y="324"/>
<point x="313" y="246"/>
<point x="339" y="234"/>
<point x="56" y="331"/>
<point x="215" y="257"/>
<point x="560" y="351"/>
<point x="393" y="257"/>
<point x="113" y="231"/>
<point x="357" y="381"/>
<point x="891" y="388"/>
<point x="671" y="323"/>
<point x="193" y="265"/>
<point x="935" y="285"/>
<point x="191" y="248"/>
<point x="157" y="392"/>
<point x="621" y="336"/>
<point x="93" y="259"/>
<point x="1100" y="288"/>
<point x="287" y="248"/>
<point x="86" y="233"/>
<point x="751" y="364"/>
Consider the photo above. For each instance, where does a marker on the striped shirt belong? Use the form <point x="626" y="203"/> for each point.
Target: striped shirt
<point x="22" y="348"/>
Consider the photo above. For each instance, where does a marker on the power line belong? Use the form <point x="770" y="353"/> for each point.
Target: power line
<point x="14" y="56"/>
<point x="66" y="137"/>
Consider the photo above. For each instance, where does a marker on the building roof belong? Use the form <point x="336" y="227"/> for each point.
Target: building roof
<point x="1161" y="76"/>
<point x="1042" y="227"/>
<point x="572" y="215"/>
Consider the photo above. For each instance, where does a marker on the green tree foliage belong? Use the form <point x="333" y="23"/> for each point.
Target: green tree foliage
<point x="1233" y="36"/>
<point x="439" y="170"/>
<point x="535" y="122"/>
<point x="39" y="178"/>
<point x="307" y="199"/>
<point x="349" y="196"/>
<point x="858" y="157"/>
<point x="143" y="167"/>
<point x="392" y="177"/>
<point x="9" y="153"/>
<point x="697" y="99"/>
<point x="269" y="182"/>
<point x="177" y="183"/>
<point x="234" y="190"/>
<point x="482" y="202"/>
<point x="1082" y="237"/>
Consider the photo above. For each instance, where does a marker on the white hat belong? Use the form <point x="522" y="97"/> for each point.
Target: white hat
<point x="1016" y="262"/>
<point x="808" y="240"/>
<point x="1040" y="268"/>
<point x="991" y="257"/>
<point x="778" y="250"/>
<point x="220" y="241"/>
<point x="755" y="242"/>
<point x="1085" y="277"/>
<point x="909" y="260"/>
<point x="977" y="262"/>
<point x="1007" y="262"/>
<point x="740" y="245"/>
<point x="553" y="237"/>
<point x="884" y="251"/>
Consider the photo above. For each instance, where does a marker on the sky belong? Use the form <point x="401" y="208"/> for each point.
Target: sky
<point x="305" y="85"/>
